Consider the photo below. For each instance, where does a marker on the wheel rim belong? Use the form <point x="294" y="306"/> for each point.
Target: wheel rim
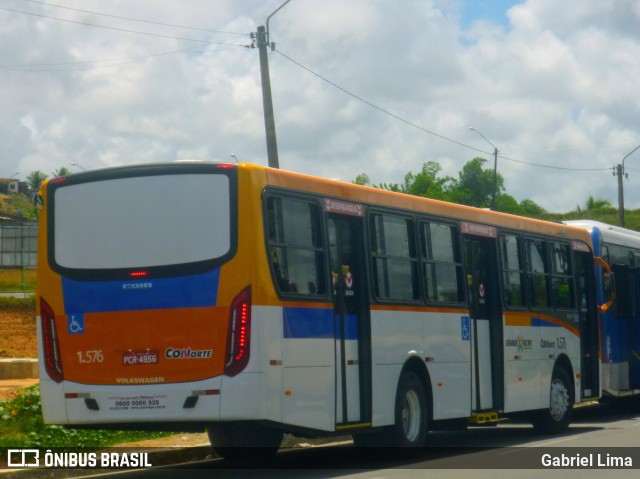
<point x="411" y="416"/>
<point x="559" y="400"/>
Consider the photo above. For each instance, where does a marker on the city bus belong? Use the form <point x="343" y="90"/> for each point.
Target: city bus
<point x="620" y="325"/>
<point x="255" y="302"/>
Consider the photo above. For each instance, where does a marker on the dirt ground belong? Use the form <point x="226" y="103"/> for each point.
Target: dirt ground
<point x="18" y="334"/>
<point x="17" y="340"/>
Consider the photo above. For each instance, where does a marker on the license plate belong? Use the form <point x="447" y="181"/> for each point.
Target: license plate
<point x="135" y="358"/>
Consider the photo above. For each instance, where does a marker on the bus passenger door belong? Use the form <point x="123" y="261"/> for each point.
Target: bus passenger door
<point x="589" y="333"/>
<point x="624" y="327"/>
<point x="487" y="370"/>
<point x="351" y="316"/>
<point x="633" y="330"/>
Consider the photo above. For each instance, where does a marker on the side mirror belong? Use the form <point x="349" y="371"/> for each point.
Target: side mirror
<point x="609" y="283"/>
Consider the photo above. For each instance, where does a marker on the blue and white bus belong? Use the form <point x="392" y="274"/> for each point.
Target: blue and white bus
<point x="620" y="326"/>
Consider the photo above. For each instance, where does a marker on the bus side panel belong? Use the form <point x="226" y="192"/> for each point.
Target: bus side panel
<point x="533" y="342"/>
<point x="258" y="392"/>
<point x="54" y="411"/>
<point x="308" y="367"/>
<point x="399" y="335"/>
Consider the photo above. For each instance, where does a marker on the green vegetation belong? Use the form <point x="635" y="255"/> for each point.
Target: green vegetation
<point x="11" y="280"/>
<point x="16" y="204"/>
<point x="21" y="425"/>
<point x="474" y="187"/>
<point x="19" y="304"/>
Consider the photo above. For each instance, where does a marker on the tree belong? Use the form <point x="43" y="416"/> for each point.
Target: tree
<point x="426" y="183"/>
<point x="475" y="185"/>
<point x="362" y="179"/>
<point x="594" y="205"/>
<point x="531" y="208"/>
<point x="35" y="179"/>
<point x="508" y="204"/>
<point x="62" y="171"/>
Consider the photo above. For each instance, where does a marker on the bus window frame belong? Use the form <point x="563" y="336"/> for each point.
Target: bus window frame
<point x="458" y="250"/>
<point x="137" y="171"/>
<point x="273" y="192"/>
<point x="552" y="274"/>
<point x="522" y="258"/>
<point x="412" y="218"/>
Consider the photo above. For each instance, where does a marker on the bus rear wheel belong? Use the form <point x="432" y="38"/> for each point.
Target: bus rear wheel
<point x="558" y="416"/>
<point x="239" y="441"/>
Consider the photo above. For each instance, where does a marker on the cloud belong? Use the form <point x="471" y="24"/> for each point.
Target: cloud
<point x="553" y="86"/>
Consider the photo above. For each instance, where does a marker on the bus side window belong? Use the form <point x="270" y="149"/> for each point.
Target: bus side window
<point x="295" y="246"/>
<point x="562" y="280"/>
<point x="537" y="273"/>
<point x="394" y="258"/>
<point x="441" y="263"/>
<point x="512" y="271"/>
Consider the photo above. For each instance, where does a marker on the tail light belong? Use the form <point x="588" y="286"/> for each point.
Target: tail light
<point x="52" y="360"/>
<point x="239" y="335"/>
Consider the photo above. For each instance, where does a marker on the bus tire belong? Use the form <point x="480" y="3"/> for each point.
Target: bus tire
<point x="411" y="413"/>
<point x="231" y="440"/>
<point x="558" y="416"/>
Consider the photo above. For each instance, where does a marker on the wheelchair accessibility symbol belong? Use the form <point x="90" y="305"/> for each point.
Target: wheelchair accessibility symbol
<point x="465" y="328"/>
<point x="75" y="324"/>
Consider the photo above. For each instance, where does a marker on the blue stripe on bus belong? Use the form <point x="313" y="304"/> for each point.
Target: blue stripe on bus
<point x="539" y="322"/>
<point x="306" y="323"/>
<point x="105" y="296"/>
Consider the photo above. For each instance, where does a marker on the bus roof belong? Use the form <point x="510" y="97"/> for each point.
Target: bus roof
<point x="610" y="234"/>
<point x="376" y="196"/>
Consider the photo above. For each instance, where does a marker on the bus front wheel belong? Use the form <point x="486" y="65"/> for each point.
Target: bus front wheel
<point x="231" y="440"/>
<point x="411" y="415"/>
<point x="409" y="430"/>
<point x="558" y="416"/>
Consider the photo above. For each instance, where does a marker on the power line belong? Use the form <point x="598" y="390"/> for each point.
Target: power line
<point x="372" y="105"/>
<point x="133" y="19"/>
<point x="386" y="112"/>
<point x="90" y="64"/>
<point x="118" y="29"/>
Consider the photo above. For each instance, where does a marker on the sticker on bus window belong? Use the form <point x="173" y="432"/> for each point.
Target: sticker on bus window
<point x="348" y="280"/>
<point x="465" y="328"/>
<point x="75" y="323"/>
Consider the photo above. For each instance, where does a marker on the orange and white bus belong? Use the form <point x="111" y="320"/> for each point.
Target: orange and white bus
<point x="252" y="302"/>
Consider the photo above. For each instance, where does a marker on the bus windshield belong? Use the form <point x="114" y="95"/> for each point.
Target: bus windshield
<point x="142" y="221"/>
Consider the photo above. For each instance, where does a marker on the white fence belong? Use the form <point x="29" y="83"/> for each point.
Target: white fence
<point x="18" y="245"/>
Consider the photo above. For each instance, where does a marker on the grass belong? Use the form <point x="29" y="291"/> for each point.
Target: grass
<point x="21" y="425"/>
<point x="11" y="280"/>
<point x="10" y="303"/>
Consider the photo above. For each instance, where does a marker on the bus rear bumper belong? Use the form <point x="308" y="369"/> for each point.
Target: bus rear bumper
<point x="215" y="399"/>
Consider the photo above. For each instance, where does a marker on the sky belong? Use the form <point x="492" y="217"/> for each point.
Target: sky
<point x="359" y="86"/>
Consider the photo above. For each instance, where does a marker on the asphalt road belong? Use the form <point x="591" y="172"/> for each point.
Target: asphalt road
<point x="601" y="435"/>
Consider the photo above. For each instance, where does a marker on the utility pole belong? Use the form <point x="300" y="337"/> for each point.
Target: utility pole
<point x="267" y="103"/>
<point x="495" y="169"/>
<point x="619" y="172"/>
<point x="263" y="41"/>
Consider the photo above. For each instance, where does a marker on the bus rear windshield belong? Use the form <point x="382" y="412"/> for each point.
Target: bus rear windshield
<point x="142" y="222"/>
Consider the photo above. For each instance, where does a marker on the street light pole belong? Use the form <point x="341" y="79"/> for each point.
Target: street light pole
<point x="495" y="168"/>
<point x="619" y="172"/>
